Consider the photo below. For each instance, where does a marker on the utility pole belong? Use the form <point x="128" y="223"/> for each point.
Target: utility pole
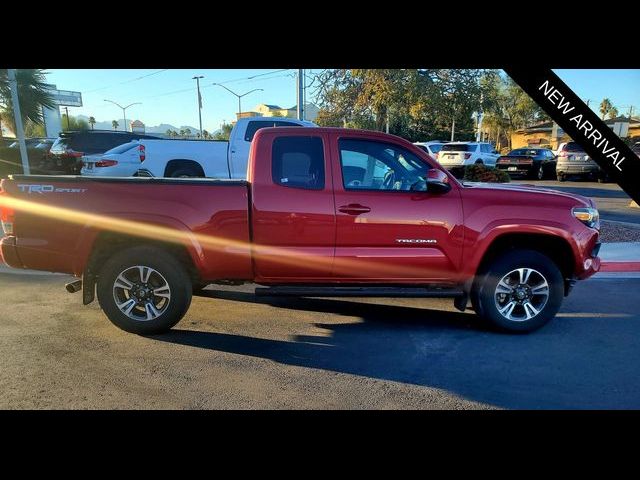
<point x="197" y="79"/>
<point x="66" y="109"/>
<point x="630" y="111"/>
<point x="124" y="110"/>
<point x="300" y="91"/>
<point x="453" y="123"/>
<point x="11" y="73"/>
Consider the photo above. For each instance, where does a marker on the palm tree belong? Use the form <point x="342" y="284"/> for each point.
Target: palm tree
<point x="613" y="113"/>
<point x="169" y="133"/>
<point x="187" y="131"/>
<point x="183" y="132"/>
<point x="115" y="124"/>
<point x="92" y="122"/>
<point x="33" y="95"/>
<point x="205" y="135"/>
<point x="605" y="107"/>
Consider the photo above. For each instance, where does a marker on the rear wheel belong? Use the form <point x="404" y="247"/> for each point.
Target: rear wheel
<point x="144" y="290"/>
<point x="519" y="291"/>
<point x="186" y="173"/>
<point x="539" y="173"/>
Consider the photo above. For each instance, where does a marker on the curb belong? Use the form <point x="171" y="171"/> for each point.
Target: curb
<point x="620" y="266"/>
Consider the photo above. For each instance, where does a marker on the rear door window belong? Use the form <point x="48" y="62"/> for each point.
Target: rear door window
<point x="298" y="162"/>
<point x="464" y="147"/>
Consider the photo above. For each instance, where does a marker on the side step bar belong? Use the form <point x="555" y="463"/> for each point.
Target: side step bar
<point x="408" y="292"/>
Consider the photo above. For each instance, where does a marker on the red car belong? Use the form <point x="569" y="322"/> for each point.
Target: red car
<point x="323" y="212"/>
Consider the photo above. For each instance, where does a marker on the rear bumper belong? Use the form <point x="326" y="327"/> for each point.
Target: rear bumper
<point x="516" y="169"/>
<point x="576" y="169"/>
<point x="9" y="252"/>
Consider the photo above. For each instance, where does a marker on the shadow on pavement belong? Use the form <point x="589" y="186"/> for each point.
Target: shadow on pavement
<point x="570" y="363"/>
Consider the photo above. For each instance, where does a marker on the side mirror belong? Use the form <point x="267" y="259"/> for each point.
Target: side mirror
<point x="437" y="181"/>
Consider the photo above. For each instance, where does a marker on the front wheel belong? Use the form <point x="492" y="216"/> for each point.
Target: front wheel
<point x="519" y="291"/>
<point x="144" y="290"/>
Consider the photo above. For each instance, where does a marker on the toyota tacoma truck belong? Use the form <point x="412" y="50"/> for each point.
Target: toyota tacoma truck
<point x="322" y="212"/>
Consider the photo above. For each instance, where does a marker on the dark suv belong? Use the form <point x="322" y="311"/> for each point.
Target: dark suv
<point x="66" y="153"/>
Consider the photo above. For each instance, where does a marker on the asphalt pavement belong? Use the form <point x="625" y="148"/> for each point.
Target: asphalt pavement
<point x="236" y="351"/>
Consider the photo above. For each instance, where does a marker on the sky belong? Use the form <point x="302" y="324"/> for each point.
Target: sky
<point x="169" y="96"/>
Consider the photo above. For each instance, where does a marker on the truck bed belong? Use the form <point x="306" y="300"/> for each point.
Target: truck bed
<point x="60" y="218"/>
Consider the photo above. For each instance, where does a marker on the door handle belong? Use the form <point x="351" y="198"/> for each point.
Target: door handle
<point x="354" y="209"/>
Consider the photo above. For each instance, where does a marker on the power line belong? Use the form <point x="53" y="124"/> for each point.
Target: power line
<point x="127" y="81"/>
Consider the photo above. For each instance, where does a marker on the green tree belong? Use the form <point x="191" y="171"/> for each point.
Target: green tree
<point x="187" y="132"/>
<point x="613" y="113"/>
<point x="507" y="107"/>
<point x="32" y="130"/>
<point x="206" y="135"/>
<point x="115" y="124"/>
<point x="605" y="107"/>
<point x="32" y="94"/>
<point x="92" y="122"/>
<point x="418" y="104"/>
<point x="74" y="123"/>
<point x="224" y="132"/>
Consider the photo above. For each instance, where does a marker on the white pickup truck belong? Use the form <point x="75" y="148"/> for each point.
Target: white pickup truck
<point x="185" y="158"/>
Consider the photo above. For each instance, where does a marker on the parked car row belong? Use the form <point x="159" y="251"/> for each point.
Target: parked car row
<point x="569" y="161"/>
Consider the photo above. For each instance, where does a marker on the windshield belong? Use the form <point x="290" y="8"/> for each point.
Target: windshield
<point x="523" y="151"/>
<point x="460" y="147"/>
<point x="573" y="147"/>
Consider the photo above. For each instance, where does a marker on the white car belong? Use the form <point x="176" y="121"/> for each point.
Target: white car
<point x="432" y="147"/>
<point x="185" y="158"/>
<point x="461" y="154"/>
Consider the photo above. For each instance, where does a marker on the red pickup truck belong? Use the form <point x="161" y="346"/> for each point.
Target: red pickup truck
<point x="328" y="212"/>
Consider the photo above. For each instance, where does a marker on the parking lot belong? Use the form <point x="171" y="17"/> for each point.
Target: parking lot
<point x="236" y="351"/>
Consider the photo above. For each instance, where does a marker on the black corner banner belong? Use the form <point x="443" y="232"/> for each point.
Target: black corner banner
<point x="582" y="125"/>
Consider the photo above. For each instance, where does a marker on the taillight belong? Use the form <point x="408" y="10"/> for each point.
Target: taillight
<point x="73" y="153"/>
<point x="106" y="163"/>
<point x="467" y="156"/>
<point x="503" y="160"/>
<point x="142" y="153"/>
<point x="6" y="215"/>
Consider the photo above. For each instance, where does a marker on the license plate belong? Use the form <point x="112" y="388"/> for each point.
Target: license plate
<point x="512" y="169"/>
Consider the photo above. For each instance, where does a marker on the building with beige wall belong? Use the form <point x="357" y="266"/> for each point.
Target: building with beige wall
<point x="267" y="110"/>
<point x="544" y="136"/>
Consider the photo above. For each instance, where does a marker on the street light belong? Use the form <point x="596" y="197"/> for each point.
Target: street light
<point x="197" y="79"/>
<point x="124" y="110"/>
<point x="239" y="96"/>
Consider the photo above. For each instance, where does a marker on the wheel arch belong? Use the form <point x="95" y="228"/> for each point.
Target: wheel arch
<point x="555" y="246"/>
<point x="183" y="163"/>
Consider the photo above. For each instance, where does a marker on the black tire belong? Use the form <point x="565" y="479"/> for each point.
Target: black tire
<point x="483" y="295"/>
<point x="163" y="263"/>
<point x="561" y="177"/>
<point x="185" y="173"/>
<point x="539" y="173"/>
